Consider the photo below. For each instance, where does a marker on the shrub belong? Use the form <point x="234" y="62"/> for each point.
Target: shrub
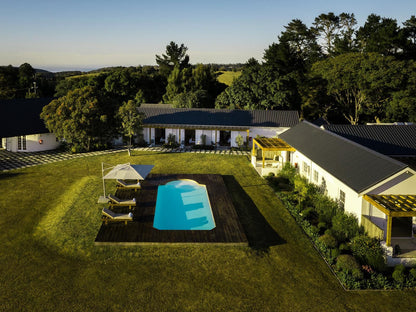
<point x="344" y="248"/>
<point x="348" y="280"/>
<point x="322" y="227"/>
<point x="203" y="139"/>
<point x="412" y="273"/>
<point x="397" y="250"/>
<point x="333" y="254"/>
<point x="399" y="275"/>
<point x="345" y="226"/>
<point x="239" y="140"/>
<point x="288" y="172"/>
<point x="368" y="251"/>
<point x="347" y="263"/>
<point x="380" y="281"/>
<point x="328" y="240"/>
<point x="325" y="207"/>
<point x="308" y="213"/>
<point x="302" y="188"/>
<point x="357" y="274"/>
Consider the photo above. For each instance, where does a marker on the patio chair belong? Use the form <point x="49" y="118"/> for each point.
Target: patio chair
<point x="131" y="186"/>
<point x="115" y="201"/>
<point x="110" y="216"/>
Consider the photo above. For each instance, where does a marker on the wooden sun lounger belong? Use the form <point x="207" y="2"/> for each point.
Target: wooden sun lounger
<point x="109" y="216"/>
<point x="115" y="201"/>
<point x="124" y="185"/>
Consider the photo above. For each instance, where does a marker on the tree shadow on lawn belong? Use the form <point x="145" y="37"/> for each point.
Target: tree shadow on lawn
<point x="261" y="236"/>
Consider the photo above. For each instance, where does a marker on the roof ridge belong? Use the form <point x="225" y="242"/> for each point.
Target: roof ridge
<point x="362" y="146"/>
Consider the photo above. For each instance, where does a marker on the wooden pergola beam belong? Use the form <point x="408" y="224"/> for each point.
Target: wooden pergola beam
<point x="393" y="206"/>
<point x="270" y="144"/>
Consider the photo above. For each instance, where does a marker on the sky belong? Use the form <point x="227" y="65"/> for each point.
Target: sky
<point x="88" y="34"/>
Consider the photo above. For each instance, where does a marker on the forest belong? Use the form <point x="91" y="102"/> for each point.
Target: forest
<point x="333" y="69"/>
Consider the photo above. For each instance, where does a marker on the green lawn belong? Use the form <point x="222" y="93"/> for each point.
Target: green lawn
<point x="228" y="77"/>
<point x="48" y="261"/>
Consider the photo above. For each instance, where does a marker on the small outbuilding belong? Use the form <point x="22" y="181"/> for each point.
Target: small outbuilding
<point x="22" y="129"/>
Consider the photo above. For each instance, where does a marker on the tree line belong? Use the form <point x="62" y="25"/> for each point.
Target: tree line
<point x="334" y="70"/>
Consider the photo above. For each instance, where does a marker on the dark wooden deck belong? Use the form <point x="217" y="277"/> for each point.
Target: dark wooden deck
<point x="228" y="228"/>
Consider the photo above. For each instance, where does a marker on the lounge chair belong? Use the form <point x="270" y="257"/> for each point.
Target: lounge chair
<point x="115" y="201"/>
<point x="132" y="186"/>
<point x="109" y="216"/>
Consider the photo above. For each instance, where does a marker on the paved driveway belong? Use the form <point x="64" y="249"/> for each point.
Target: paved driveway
<point x="10" y="160"/>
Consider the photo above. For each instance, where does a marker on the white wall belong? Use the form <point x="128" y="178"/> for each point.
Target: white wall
<point x="268" y="132"/>
<point x="234" y="134"/>
<point x="256" y="131"/>
<point x="175" y="132"/>
<point x="404" y="184"/>
<point x="353" y="201"/>
<point x="34" y="143"/>
<point x="210" y="139"/>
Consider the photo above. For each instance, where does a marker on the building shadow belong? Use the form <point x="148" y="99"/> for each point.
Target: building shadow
<point x="6" y="174"/>
<point x="261" y="236"/>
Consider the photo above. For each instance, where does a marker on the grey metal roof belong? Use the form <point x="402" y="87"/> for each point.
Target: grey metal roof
<point x="21" y="117"/>
<point x="392" y="140"/>
<point x="353" y="164"/>
<point x="218" y="117"/>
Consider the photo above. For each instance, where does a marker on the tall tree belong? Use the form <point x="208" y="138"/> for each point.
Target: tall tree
<point x="83" y="117"/>
<point x="362" y="84"/>
<point x="380" y="35"/>
<point x="409" y="33"/>
<point x="327" y="27"/>
<point x="301" y="40"/>
<point x="175" y="56"/>
<point x="345" y="41"/>
<point x="131" y="120"/>
<point x="9" y="82"/>
<point x="26" y="76"/>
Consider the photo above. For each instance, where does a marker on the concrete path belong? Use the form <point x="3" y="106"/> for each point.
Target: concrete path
<point x="11" y="161"/>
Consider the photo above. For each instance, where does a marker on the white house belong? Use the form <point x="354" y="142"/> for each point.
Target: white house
<point x="21" y="128"/>
<point x="217" y="126"/>
<point x="379" y="190"/>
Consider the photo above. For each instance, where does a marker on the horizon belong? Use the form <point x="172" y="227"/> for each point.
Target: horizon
<point x="90" y="34"/>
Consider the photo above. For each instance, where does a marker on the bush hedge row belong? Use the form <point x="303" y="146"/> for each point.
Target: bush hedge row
<point x="357" y="259"/>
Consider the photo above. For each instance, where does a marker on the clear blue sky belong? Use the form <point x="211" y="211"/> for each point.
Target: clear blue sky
<point x="87" y="34"/>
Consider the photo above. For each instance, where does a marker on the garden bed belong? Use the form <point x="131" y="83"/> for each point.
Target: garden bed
<point x="355" y="258"/>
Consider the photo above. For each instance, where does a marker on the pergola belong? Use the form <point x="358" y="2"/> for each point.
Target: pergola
<point x="393" y="206"/>
<point x="270" y="144"/>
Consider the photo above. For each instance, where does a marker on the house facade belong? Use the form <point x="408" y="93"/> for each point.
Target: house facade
<point x="212" y="126"/>
<point x="360" y="179"/>
<point x="21" y="129"/>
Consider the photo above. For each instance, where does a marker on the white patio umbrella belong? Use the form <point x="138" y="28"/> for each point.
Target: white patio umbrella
<point x="126" y="172"/>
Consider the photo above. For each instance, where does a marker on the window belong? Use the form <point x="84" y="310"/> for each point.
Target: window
<point x="341" y="199"/>
<point x="323" y="186"/>
<point x="306" y="168"/>
<point x="315" y="176"/>
<point x="21" y="142"/>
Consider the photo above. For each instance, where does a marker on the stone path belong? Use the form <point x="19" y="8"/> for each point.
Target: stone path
<point x="11" y="161"/>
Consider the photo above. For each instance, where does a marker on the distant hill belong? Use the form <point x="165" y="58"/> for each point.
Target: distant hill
<point x="42" y="71"/>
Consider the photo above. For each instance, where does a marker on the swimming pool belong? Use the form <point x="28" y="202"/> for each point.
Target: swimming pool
<point x="183" y="205"/>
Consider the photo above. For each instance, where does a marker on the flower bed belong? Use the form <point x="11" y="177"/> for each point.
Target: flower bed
<point x="355" y="258"/>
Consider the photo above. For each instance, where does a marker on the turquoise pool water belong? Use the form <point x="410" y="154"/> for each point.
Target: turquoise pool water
<point x="183" y="205"/>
